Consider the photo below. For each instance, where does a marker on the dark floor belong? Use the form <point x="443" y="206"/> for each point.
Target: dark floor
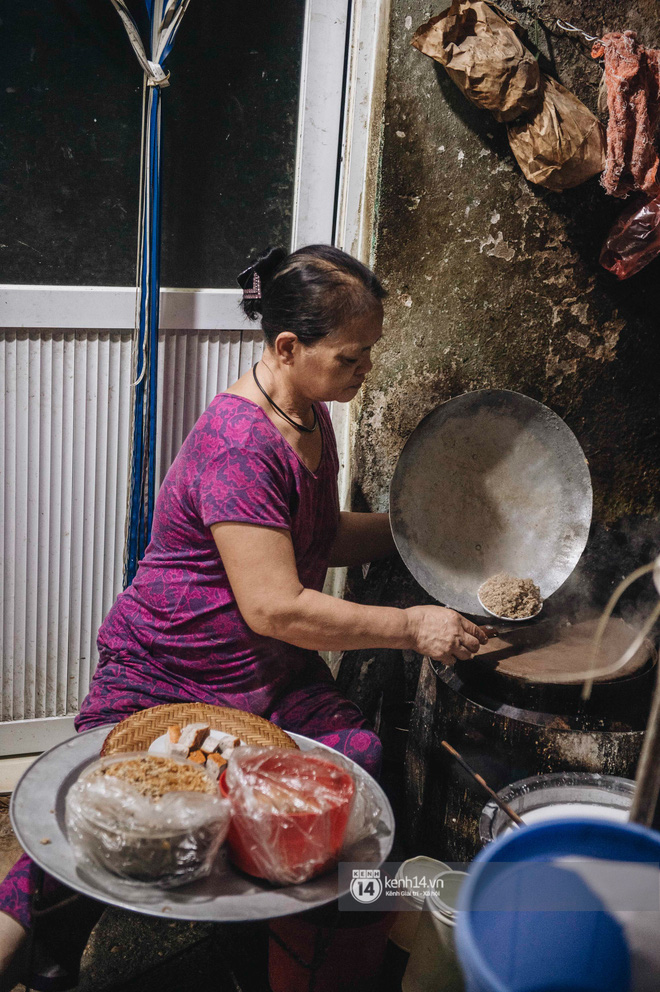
<point x="176" y="957"/>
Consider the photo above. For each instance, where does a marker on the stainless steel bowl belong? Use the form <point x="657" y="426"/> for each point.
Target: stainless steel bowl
<point x="608" y="791"/>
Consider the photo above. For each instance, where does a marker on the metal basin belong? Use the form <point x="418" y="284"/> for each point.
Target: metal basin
<point x="608" y="793"/>
<point x="490" y="481"/>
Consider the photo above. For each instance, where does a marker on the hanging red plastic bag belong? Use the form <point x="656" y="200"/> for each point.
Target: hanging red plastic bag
<point x="634" y="240"/>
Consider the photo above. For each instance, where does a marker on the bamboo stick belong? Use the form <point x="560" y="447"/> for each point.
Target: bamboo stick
<point x="477" y="778"/>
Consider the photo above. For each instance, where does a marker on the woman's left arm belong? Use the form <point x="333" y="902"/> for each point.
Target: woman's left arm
<point x="361" y="537"/>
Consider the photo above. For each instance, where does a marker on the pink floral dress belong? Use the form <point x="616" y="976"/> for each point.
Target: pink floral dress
<point x="176" y="634"/>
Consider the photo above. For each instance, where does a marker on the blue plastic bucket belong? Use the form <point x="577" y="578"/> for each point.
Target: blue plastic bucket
<point x="528" y="924"/>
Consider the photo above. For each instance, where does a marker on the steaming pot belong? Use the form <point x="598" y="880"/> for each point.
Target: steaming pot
<point x="510" y="722"/>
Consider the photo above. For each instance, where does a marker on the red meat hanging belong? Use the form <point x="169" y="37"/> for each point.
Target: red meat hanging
<point x="632" y="77"/>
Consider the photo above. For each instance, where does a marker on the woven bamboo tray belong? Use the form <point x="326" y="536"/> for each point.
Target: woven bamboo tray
<point x="141" y="729"/>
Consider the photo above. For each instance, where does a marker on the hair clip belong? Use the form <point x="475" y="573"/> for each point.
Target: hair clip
<point x="254" y="291"/>
<point x="250" y="279"/>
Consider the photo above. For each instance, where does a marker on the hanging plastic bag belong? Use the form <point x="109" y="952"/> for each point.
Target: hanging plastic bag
<point x="478" y="46"/>
<point x="117" y="820"/>
<point x="562" y="144"/>
<point x="292" y="812"/>
<point x="634" y="239"/>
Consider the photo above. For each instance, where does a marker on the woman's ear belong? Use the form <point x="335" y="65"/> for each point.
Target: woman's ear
<point x="285" y="347"/>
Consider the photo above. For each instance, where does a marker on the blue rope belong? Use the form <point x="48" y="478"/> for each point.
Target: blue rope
<point x="135" y="538"/>
<point x="144" y="440"/>
<point x="154" y="300"/>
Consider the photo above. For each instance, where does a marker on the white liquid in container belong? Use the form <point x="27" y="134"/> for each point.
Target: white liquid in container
<point x="572" y="811"/>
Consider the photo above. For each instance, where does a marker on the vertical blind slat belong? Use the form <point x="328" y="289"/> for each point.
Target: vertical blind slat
<point x="64" y="462"/>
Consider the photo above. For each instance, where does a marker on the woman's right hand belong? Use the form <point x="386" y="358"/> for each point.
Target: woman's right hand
<point x="443" y="634"/>
<point x="261" y="566"/>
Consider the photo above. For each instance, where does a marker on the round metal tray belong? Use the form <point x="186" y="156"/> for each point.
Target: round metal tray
<point x="491" y="481"/>
<point x="37" y="816"/>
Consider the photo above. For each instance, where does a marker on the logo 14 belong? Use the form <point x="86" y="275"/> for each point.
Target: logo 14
<point x="366" y="884"/>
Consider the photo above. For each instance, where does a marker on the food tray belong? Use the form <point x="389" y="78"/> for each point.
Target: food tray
<point x="138" y="731"/>
<point x="37" y="816"/>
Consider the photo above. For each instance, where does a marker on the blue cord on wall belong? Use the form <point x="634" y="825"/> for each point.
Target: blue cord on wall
<point x="165" y="17"/>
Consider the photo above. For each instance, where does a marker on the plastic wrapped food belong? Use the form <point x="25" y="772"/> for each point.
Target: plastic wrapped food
<point x="482" y="54"/>
<point x="291" y="811"/>
<point x="634" y="239"/>
<point x="562" y="144"/>
<point x="366" y="812"/>
<point x="147" y="818"/>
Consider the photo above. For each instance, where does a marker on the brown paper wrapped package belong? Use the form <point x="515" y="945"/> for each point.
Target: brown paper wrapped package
<point x="562" y="144"/>
<point x="479" y="48"/>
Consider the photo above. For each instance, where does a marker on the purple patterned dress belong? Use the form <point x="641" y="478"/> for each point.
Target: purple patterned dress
<point x="176" y="634"/>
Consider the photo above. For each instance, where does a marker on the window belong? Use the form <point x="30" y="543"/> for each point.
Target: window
<point x="254" y="124"/>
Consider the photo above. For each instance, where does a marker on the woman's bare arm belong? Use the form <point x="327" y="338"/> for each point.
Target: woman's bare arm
<point x="261" y="567"/>
<point x="362" y="537"/>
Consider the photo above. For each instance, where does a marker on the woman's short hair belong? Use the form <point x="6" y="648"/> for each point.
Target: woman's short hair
<point x="309" y="292"/>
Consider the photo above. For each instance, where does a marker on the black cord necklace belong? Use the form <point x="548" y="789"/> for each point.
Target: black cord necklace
<point x="294" y="423"/>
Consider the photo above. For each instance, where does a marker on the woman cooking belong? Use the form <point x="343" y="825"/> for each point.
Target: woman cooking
<point x="226" y="606"/>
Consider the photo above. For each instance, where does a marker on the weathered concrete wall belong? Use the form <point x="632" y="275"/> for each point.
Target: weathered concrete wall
<point x="494" y="282"/>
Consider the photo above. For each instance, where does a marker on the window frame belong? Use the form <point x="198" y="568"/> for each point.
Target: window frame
<point x="340" y="116"/>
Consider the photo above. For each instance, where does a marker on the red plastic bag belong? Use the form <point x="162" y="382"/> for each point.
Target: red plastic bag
<point x="290" y="812"/>
<point x="634" y="240"/>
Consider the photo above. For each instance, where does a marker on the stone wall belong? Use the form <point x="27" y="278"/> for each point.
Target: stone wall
<point x="494" y="282"/>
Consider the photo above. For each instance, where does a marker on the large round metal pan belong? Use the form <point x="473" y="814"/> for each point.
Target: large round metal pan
<point x="490" y="481"/>
<point x="37" y="816"/>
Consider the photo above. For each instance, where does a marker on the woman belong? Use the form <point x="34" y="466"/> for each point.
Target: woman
<point x="226" y="606"/>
